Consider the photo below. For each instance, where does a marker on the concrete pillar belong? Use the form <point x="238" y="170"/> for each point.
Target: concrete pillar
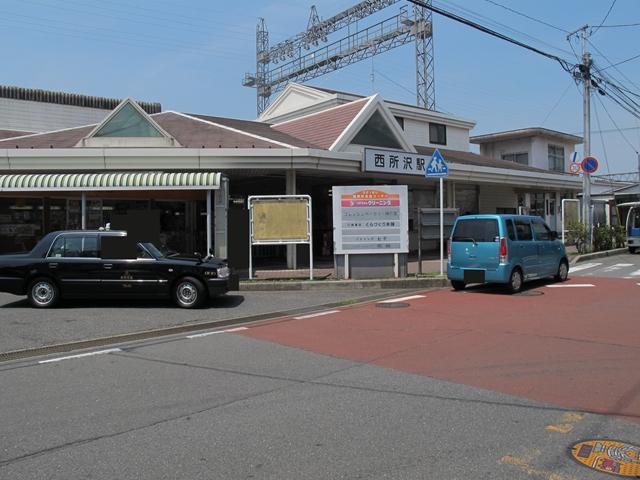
<point x="221" y="222"/>
<point x="83" y="210"/>
<point x="292" y="257"/>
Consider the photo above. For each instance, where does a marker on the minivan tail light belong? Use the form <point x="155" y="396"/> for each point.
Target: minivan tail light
<point x="449" y="249"/>
<point x="503" y="250"/>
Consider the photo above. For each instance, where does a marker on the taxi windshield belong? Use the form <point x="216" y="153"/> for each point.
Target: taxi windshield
<point x="150" y="248"/>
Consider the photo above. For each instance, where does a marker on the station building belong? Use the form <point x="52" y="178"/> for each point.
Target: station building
<point x="194" y="172"/>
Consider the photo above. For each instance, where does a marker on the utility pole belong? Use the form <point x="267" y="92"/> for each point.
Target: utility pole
<point x="584" y="74"/>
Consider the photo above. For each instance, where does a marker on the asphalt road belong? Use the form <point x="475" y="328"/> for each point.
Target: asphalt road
<point x="352" y="392"/>
<point x="618" y="266"/>
<point x="24" y="327"/>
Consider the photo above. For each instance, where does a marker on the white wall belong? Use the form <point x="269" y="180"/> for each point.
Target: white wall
<point x="417" y="132"/>
<point x="537" y="147"/>
<point x="497" y="149"/>
<point x="42" y="117"/>
<point x="497" y="196"/>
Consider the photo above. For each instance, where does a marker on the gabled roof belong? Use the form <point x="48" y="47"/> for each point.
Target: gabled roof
<point x="323" y="128"/>
<point x="525" y="133"/>
<point x="470" y="158"/>
<point x="261" y="129"/>
<point x="128" y="125"/>
<point x="12" y="133"/>
<point x="334" y="128"/>
<point x="193" y="131"/>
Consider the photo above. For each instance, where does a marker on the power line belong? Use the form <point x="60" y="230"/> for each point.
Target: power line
<point x="616" y="125"/>
<point x="527" y="16"/>
<point x="621" y="25"/>
<point x="497" y="25"/>
<point x="620" y="63"/>
<point x="557" y="103"/>
<point x="563" y="63"/>
<point x="605" y="17"/>
<point x="611" y="63"/>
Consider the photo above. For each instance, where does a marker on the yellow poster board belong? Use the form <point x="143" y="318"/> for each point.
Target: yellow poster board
<point x="280" y="220"/>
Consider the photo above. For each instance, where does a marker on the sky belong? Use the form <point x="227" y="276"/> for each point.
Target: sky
<point x="191" y="57"/>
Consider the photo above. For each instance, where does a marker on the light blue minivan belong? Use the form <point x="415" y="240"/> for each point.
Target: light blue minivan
<point x="505" y="249"/>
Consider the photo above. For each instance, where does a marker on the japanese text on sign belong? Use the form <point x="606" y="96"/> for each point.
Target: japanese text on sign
<point x="391" y="161"/>
<point x="370" y="219"/>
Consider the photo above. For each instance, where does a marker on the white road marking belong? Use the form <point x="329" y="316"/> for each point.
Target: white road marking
<point x="206" y="334"/>
<point x="635" y="274"/>
<point x="81" y="355"/>
<point x="583" y="266"/>
<point x="572" y="285"/>
<point x="617" y="266"/>
<point x="401" y="299"/>
<point x="319" y="314"/>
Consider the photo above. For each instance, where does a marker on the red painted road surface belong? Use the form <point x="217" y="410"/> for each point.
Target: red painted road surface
<point x="577" y="348"/>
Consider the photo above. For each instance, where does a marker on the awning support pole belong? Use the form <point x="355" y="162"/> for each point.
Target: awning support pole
<point x="83" y="210"/>
<point x="209" y="244"/>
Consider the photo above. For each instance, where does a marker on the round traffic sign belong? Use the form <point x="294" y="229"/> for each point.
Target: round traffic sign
<point x="590" y="164"/>
<point x="574" y="167"/>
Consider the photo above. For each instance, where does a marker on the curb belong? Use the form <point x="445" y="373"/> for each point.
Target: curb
<point x="397" y="283"/>
<point x="589" y="256"/>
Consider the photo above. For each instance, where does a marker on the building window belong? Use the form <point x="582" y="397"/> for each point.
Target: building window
<point x="437" y="134"/>
<point x="522" y="158"/>
<point x="556" y="158"/>
<point x="400" y="121"/>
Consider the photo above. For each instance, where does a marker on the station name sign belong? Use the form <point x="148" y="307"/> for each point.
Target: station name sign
<point x="394" y="161"/>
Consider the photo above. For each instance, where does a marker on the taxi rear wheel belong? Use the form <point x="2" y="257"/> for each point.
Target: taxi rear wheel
<point x="189" y="292"/>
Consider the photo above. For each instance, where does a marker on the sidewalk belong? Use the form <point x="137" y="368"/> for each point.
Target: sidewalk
<point x="323" y="269"/>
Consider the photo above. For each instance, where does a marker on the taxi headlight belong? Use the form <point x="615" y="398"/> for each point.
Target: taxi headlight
<point x="223" y="272"/>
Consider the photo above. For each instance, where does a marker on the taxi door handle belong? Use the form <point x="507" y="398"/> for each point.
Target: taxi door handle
<point x="53" y="265"/>
<point x="108" y="266"/>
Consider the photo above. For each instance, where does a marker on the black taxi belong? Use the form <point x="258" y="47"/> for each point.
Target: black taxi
<point x="108" y="264"/>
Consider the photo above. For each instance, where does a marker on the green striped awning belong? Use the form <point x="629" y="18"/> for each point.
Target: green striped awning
<point x="112" y="181"/>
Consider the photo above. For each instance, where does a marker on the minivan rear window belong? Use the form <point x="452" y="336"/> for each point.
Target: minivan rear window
<point x="476" y="230"/>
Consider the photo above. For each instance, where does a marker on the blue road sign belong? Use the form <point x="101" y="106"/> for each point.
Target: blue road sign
<point x="437" y="167"/>
<point x="590" y="164"/>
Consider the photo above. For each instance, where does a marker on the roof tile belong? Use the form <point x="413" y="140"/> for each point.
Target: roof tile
<point x="323" y="128"/>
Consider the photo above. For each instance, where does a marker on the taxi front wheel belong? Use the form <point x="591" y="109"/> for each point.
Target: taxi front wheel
<point x="189" y="293"/>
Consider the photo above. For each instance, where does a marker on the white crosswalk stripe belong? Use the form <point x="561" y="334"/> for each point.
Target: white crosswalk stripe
<point x="583" y="266"/>
<point x="617" y="266"/>
<point x="635" y="274"/>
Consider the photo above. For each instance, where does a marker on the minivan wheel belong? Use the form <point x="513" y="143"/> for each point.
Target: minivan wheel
<point x="43" y="293"/>
<point x="189" y="292"/>
<point x="563" y="271"/>
<point x="632" y="250"/>
<point x="515" y="281"/>
<point x="458" y="285"/>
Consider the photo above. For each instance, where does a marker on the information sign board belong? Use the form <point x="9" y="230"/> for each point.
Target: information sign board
<point x="370" y="219"/>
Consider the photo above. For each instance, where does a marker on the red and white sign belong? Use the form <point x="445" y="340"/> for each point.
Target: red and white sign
<point x="575" y="167"/>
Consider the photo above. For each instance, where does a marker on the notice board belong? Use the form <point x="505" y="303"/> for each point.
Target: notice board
<point x="370" y="219"/>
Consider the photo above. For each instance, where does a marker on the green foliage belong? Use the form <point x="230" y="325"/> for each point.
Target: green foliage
<point x="619" y="236"/>
<point x="602" y="237"/>
<point x="577" y="235"/>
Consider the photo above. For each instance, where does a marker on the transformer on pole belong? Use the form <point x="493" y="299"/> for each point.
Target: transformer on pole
<point x="293" y="59"/>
